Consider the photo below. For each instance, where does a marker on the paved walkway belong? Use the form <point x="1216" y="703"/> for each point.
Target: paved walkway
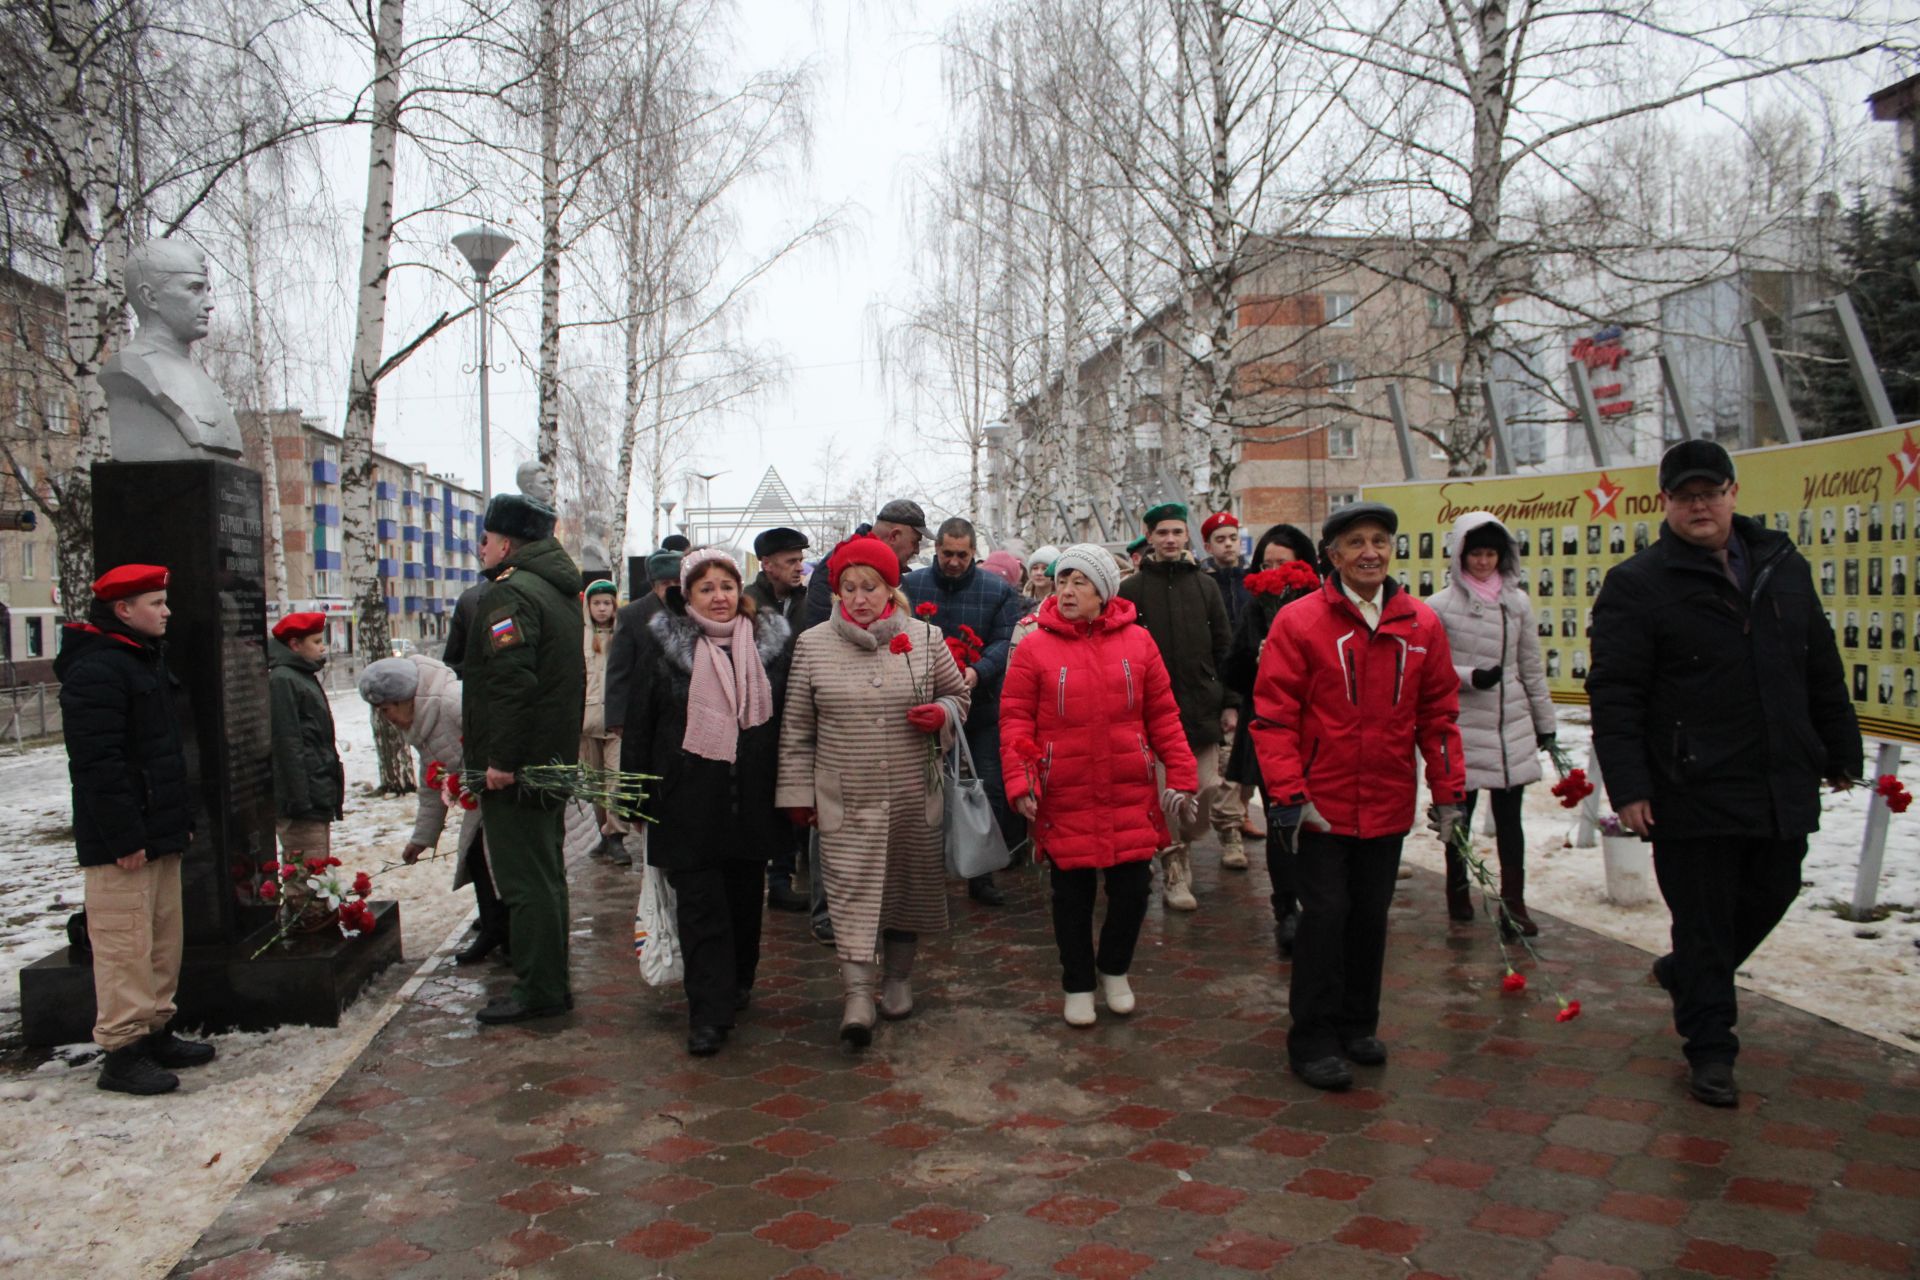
<point x="985" y="1138"/>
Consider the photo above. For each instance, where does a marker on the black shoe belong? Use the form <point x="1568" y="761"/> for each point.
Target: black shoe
<point x="1325" y="1073"/>
<point x="1367" y="1051"/>
<point x="1284" y="930"/>
<point x="483" y="945"/>
<point x="128" y="1069"/>
<point x="781" y="897"/>
<point x="704" y="1042"/>
<point x="823" y="931"/>
<point x="507" y="1009"/>
<point x="1663" y="972"/>
<point x="1712" y="1083"/>
<point x="1515" y="922"/>
<point x="173" y="1053"/>
<point x="620" y="857"/>
<point x="742" y="998"/>
<point x="982" y="890"/>
<point x="1459" y="902"/>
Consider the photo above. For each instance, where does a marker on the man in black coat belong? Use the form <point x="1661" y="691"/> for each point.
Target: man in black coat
<point x="1719" y="704"/>
<point x="777" y="592"/>
<point x="623" y="662"/>
<point x="132" y="820"/>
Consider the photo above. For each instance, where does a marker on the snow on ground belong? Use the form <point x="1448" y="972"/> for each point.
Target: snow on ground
<point x="1863" y="976"/>
<point x="100" y="1184"/>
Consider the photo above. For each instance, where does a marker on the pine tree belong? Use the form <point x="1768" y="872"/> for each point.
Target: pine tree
<point x="1878" y="249"/>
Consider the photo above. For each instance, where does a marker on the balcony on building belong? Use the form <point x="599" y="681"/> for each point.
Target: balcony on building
<point x="410" y="532"/>
<point x="388" y="568"/>
<point x="325" y="472"/>
<point x="386" y="530"/>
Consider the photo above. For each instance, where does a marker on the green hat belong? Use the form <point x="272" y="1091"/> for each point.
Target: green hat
<point x="1138" y="544"/>
<point x="1165" y="511"/>
<point x="602" y="587"/>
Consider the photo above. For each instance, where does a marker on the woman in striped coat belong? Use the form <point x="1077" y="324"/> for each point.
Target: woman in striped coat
<point x="866" y="689"/>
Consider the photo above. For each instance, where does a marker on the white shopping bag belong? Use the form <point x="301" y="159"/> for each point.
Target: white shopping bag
<point x="656" y="936"/>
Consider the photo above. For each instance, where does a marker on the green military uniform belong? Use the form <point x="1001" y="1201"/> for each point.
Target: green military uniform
<point x="523" y="691"/>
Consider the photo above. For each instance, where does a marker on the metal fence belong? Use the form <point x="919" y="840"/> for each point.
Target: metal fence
<point x="28" y="712"/>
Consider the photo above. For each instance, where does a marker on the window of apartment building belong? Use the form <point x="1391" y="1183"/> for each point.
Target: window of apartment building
<point x="1343" y="441"/>
<point x="1341" y="498"/>
<point x="58" y="420"/>
<point x="1529" y="442"/>
<point x="1444" y="374"/>
<point x="330" y="453"/>
<point x="326" y="582"/>
<point x="1340" y="310"/>
<point x="27" y="553"/>
<point x="1152" y="354"/>
<point x="36" y="638"/>
<point x="56" y="339"/>
<point x="1439" y="311"/>
<point x="1340" y="376"/>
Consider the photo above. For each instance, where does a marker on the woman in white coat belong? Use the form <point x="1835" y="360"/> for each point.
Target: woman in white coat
<point x="420" y="696"/>
<point x="1506" y="717"/>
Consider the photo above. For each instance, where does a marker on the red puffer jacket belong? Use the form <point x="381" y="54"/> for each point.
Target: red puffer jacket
<point x="1086" y="708"/>
<point x="1339" y="711"/>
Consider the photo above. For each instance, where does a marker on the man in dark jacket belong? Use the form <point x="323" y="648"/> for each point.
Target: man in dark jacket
<point x="966" y="596"/>
<point x="309" y="786"/>
<point x="777" y="592"/>
<point x="1220" y="536"/>
<point x="132" y="819"/>
<point x="901" y="524"/>
<point x="1183" y="612"/>
<point x="623" y="663"/>
<point x="1719" y="704"/>
<point x="522" y="696"/>
<point x="459" y="628"/>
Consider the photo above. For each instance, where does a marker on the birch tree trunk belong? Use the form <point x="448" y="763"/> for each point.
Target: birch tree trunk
<point x="373" y="634"/>
<point x="549" y="74"/>
<point x="262" y="395"/>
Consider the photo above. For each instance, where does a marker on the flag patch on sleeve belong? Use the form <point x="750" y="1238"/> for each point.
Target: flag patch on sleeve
<point x="505" y="633"/>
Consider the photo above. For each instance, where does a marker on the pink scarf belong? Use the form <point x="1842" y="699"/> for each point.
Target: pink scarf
<point x="729" y="690"/>
<point x="1488" y="588"/>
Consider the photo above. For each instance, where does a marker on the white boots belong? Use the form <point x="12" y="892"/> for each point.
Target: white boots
<point x="856" y="1022"/>
<point x="1176" y="864"/>
<point x="896" y="995"/>
<point x="1233" y="851"/>
<point x="1114" y="989"/>
<point x="1079" y="1009"/>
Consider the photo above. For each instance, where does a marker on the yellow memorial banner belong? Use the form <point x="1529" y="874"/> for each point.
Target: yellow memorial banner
<point x="1850" y="503"/>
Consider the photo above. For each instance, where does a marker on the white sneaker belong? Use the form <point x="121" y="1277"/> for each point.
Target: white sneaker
<point x="1115" y="991"/>
<point x="1177" y="866"/>
<point x="1233" y="852"/>
<point x="1079" y="1009"/>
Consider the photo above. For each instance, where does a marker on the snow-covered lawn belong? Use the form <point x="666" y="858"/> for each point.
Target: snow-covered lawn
<point x="99" y="1184"/>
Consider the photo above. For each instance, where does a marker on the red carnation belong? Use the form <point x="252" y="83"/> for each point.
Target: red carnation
<point x="316" y="865"/>
<point x="333" y="862"/>
<point x="900" y="644"/>
<point x="1898" y="803"/>
<point x="1025" y="748"/>
<point x="962" y="655"/>
<point x="925" y="609"/>
<point x="435" y="772"/>
<point x="1513" y="982"/>
<point x="269" y="890"/>
<point x="1568" y="1012"/>
<point x="362" y="885"/>
<point x="289" y="870"/>
<point x="1296" y="573"/>
<point x="468" y="800"/>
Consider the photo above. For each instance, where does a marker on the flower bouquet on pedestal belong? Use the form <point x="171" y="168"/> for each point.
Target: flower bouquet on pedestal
<point x="309" y="896"/>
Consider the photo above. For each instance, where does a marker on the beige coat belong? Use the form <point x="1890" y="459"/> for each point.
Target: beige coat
<point x="847" y="751"/>
<point x="594" y="723"/>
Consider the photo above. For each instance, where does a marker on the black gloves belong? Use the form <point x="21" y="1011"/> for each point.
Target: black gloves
<point x="1548" y="741"/>
<point x="1486" y="677"/>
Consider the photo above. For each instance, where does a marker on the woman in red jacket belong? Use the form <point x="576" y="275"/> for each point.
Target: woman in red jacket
<point x="1354" y="679"/>
<point x="1086" y="709"/>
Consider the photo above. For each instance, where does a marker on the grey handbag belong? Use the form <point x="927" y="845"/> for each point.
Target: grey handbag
<point x="974" y="843"/>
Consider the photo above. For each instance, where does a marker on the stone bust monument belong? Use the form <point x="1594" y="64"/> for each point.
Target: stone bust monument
<point x="161" y="406"/>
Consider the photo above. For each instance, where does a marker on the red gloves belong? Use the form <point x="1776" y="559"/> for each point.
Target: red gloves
<point x="928" y="717"/>
<point x="803" y="817"/>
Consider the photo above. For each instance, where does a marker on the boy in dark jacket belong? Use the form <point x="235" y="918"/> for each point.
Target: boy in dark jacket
<point x="309" y="786"/>
<point x="132" y="819"/>
<point x="523" y="694"/>
<point x="1719" y="705"/>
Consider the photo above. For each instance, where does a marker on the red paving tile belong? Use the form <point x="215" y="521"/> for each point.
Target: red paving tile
<point x="782" y="1146"/>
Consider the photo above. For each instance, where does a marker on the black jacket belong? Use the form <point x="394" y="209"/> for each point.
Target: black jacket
<point x="1724" y="707"/>
<point x="523" y="686"/>
<point x="792" y="610"/>
<point x="1232" y="582"/>
<point x="704" y="810"/>
<point x="623" y="653"/>
<point x="460" y="626"/>
<point x="308" y="781"/>
<point x="1181" y="608"/>
<point x="124" y="750"/>
<point x="1243" y="665"/>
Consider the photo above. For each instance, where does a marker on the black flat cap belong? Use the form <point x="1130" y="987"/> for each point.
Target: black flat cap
<point x="1360" y="512"/>
<point x="1694" y="460"/>
<point x="905" y="512"/>
<point x="774" y="541"/>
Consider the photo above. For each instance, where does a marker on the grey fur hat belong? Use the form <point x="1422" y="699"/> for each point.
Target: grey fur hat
<point x="389" y="680"/>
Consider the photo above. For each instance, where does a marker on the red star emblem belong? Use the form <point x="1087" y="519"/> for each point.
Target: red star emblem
<point x="1606" y="493"/>
<point x="1906" y="464"/>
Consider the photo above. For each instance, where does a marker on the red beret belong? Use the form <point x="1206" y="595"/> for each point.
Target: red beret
<point x="130" y="580"/>
<point x="1218" y="520"/>
<point x="866" y="550"/>
<point x="296" y="625"/>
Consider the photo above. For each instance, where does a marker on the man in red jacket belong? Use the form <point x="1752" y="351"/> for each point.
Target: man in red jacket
<point x="1352" y="680"/>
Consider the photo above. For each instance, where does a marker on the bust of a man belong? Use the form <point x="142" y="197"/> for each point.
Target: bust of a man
<point x="161" y="406"/>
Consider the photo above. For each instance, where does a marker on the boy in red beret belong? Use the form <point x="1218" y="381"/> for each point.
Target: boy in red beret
<point x="132" y="819"/>
<point x="309" y="786"/>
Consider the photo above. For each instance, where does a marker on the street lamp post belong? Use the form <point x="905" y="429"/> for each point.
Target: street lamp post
<point x="483" y="247"/>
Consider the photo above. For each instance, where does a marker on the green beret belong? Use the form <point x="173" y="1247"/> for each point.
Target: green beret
<point x="602" y="587"/>
<point x="1165" y="511"/>
<point x="1137" y="545"/>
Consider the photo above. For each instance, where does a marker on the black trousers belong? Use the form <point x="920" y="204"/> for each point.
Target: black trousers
<point x="494" y="916"/>
<point x="1073" y="894"/>
<point x="1725" y="896"/>
<point x="786" y="851"/>
<point x="1279" y="870"/>
<point x="1509" y="838"/>
<point x="1345" y="885"/>
<point x="718" y="909"/>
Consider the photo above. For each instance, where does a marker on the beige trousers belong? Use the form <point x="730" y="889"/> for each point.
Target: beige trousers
<point x="1229" y="810"/>
<point x="134" y="924"/>
<point x="304" y="837"/>
<point x="603" y="753"/>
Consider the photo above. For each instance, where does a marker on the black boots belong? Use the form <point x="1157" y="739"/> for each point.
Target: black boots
<point x="781" y="897"/>
<point x="131" y="1069"/>
<point x="173" y="1053"/>
<point x="1459" y="891"/>
<point x="485" y="943"/>
<point x="983" y="891"/>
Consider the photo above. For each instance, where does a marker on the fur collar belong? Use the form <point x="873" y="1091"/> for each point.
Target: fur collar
<point x="675" y="634"/>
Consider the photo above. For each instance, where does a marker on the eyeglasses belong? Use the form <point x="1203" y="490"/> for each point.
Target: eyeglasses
<point x="1699" y="497"/>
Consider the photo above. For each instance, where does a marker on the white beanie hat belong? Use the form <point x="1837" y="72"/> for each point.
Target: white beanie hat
<point x="1043" y="555"/>
<point x="1095" y="562"/>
